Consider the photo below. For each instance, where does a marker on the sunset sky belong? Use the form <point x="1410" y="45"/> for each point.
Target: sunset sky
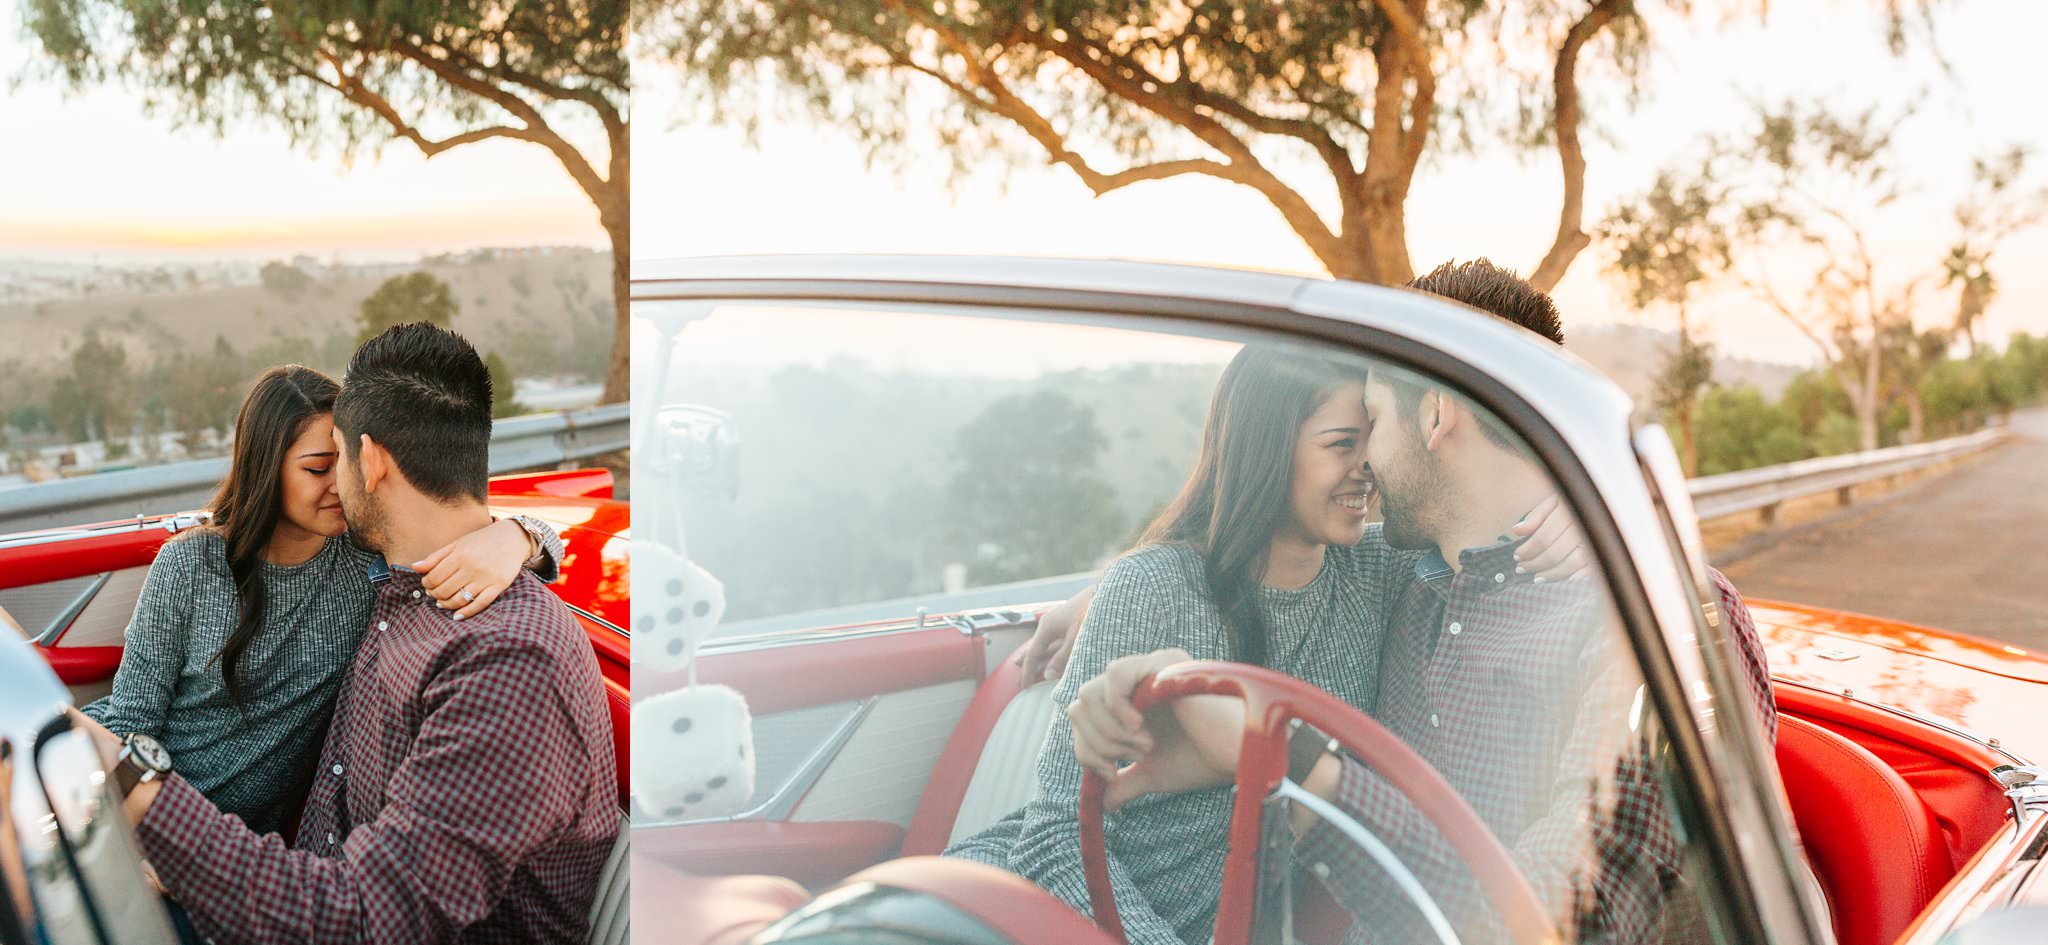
<point x="88" y="176"/>
<point x="801" y="187"/>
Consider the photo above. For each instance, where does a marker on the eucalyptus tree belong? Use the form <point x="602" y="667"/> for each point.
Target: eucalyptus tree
<point x="1326" y="110"/>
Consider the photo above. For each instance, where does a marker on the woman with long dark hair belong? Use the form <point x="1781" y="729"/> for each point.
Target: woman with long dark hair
<point x="1258" y="559"/>
<point x="245" y="627"/>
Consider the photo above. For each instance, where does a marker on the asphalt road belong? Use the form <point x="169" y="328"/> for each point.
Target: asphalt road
<point x="1966" y="550"/>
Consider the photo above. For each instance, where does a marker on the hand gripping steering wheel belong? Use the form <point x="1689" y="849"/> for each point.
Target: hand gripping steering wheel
<point x="1271" y="700"/>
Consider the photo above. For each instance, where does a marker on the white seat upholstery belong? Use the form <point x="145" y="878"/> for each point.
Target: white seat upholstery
<point x="608" y="911"/>
<point x="1006" y="775"/>
<point x="8" y="623"/>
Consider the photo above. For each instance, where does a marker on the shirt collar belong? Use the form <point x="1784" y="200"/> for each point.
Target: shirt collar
<point x="1495" y="563"/>
<point x="384" y="574"/>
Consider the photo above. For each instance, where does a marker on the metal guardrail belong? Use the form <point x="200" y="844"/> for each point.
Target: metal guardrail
<point x="517" y="443"/>
<point x="1763" y="489"/>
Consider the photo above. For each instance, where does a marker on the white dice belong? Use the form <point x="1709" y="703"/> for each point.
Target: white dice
<point x="693" y="753"/>
<point x="675" y="606"/>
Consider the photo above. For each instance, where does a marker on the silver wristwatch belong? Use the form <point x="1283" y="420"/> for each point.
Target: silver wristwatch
<point x="536" y="533"/>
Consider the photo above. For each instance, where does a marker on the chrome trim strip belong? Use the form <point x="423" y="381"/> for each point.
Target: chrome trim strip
<point x="170" y="523"/>
<point x="1990" y="744"/>
<point x="69" y="615"/>
<point x="593" y="618"/>
<point x="1988" y="882"/>
<point x="971" y="623"/>
<point x="1395" y="869"/>
<point x="783" y="802"/>
<point x="755" y="642"/>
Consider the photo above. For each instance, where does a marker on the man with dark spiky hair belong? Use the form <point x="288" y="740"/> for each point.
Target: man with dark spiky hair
<point x="1495" y="291"/>
<point x="466" y="790"/>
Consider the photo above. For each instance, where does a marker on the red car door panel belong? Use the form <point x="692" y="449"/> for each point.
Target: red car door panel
<point x="929" y="669"/>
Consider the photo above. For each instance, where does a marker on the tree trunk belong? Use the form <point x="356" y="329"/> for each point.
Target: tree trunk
<point x="1916" y="417"/>
<point x="1385" y="239"/>
<point x="1571" y="237"/>
<point x="1873" y="376"/>
<point x="616" y="217"/>
<point x="1866" y="420"/>
<point x="1689" y="447"/>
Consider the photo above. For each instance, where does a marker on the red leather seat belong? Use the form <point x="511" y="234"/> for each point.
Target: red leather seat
<point x="669" y="905"/>
<point x="1875" y="844"/>
<point x="1013" y="906"/>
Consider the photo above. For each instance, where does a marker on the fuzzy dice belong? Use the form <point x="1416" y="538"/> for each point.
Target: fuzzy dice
<point x="693" y="753"/>
<point x="675" y="606"/>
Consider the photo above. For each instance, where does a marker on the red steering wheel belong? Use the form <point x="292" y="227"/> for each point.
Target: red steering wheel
<point x="1271" y="700"/>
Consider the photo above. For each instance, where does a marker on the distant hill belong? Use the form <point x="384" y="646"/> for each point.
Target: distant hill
<point x="508" y="300"/>
<point x="1631" y="355"/>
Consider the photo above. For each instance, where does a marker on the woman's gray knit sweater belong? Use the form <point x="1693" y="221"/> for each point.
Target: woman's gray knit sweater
<point x="1166" y="851"/>
<point x="247" y="759"/>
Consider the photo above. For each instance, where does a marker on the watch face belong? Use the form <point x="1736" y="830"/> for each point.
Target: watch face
<point x="149" y="752"/>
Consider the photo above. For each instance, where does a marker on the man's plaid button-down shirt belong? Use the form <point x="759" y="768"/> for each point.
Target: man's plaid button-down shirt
<point x="1521" y="695"/>
<point x="465" y="791"/>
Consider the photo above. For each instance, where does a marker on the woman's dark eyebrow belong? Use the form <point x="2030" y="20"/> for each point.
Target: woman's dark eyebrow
<point x="1337" y="430"/>
<point x="330" y="454"/>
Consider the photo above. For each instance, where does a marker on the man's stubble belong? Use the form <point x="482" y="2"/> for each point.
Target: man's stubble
<point x="1411" y="485"/>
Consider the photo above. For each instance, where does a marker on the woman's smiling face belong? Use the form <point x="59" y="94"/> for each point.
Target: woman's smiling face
<point x="307" y="491"/>
<point x="1332" y="490"/>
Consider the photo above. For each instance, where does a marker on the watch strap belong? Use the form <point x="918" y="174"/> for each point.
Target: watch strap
<point x="130" y="772"/>
<point x="126" y="775"/>
<point x="1305" y="749"/>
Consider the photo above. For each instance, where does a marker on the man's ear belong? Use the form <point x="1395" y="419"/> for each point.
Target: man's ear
<point x="375" y="464"/>
<point x="1442" y="414"/>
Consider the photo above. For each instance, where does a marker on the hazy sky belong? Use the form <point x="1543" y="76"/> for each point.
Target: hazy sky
<point x="802" y="187"/>
<point x="89" y="176"/>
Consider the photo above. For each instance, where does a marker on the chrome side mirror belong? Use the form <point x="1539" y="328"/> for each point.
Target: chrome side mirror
<point x="700" y="447"/>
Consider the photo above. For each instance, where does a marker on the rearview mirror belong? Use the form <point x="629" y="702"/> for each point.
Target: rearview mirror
<point x="699" y="446"/>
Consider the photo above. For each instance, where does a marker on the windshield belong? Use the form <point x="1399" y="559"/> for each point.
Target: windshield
<point x="1358" y="523"/>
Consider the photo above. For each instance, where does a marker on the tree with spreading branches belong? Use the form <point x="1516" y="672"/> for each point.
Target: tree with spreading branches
<point x="352" y="75"/>
<point x="1668" y="244"/>
<point x="1119" y="93"/>
<point x="1326" y="110"/>
<point x="1815" y="182"/>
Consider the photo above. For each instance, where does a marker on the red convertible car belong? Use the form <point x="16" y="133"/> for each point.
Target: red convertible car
<point x="65" y="599"/>
<point x="938" y="450"/>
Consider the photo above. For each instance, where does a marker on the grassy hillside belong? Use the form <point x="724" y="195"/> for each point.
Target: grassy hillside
<point x="528" y="308"/>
